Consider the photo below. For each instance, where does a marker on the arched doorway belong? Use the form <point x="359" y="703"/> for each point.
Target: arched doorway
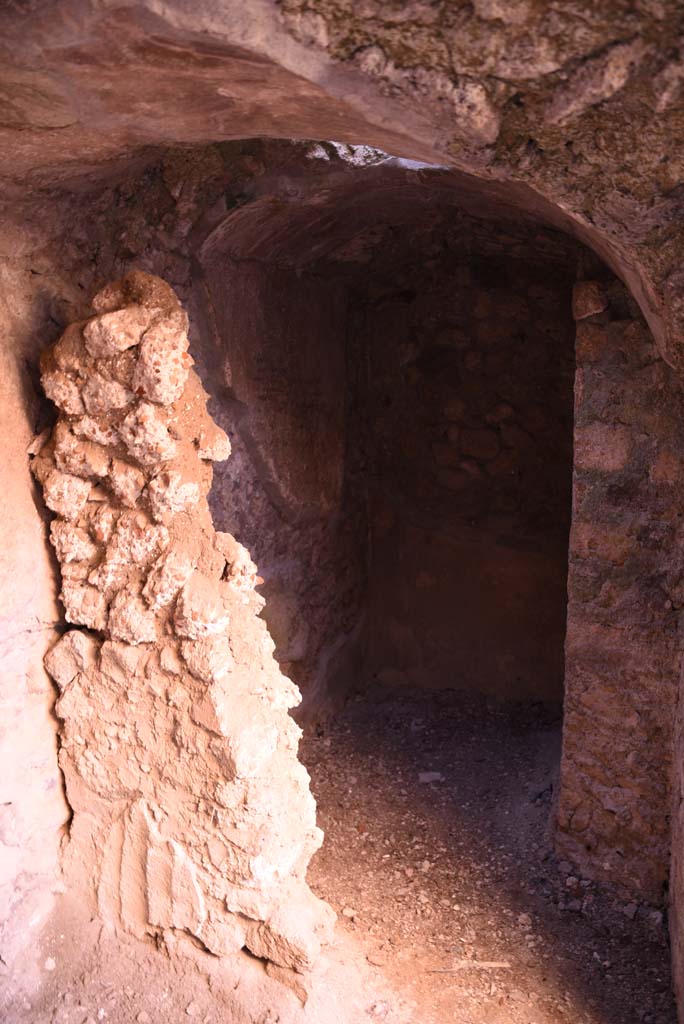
<point x="415" y="463"/>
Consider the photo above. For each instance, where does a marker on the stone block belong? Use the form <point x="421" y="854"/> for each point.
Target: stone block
<point x="163" y="363"/>
<point x="101" y="395"/>
<point x="71" y="543"/>
<point x="167" y="576"/>
<point x="592" y="343"/>
<point x="75" y="652"/>
<point x="81" y="458"/>
<point x="126" y="481"/>
<point x="604" y="447"/>
<point x="131" y="620"/>
<point x="209" y="659"/>
<point x="588" y="299"/>
<point x="111" y="333"/>
<point x="214" y="445"/>
<point x="84" y="604"/>
<point x="201" y="610"/>
<point x="170" y="492"/>
<point x="65" y="494"/>
<point x="64" y="391"/>
<point x="146" y="436"/>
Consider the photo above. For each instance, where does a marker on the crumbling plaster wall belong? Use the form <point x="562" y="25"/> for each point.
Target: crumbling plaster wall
<point x="282" y="343"/>
<point x="192" y="814"/>
<point x="149" y="217"/>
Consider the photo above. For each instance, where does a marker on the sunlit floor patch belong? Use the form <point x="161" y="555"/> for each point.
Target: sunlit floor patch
<point x="438" y="859"/>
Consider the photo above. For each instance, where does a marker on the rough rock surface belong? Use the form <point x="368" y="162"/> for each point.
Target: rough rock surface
<point x="623" y="643"/>
<point x="158" y="216"/>
<point x="575" y="109"/>
<point x="190" y="810"/>
<point x="471" y="912"/>
<point x="467" y="459"/>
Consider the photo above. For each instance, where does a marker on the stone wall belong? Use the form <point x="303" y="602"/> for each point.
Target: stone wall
<point x="281" y="348"/>
<point x="624" y="599"/>
<point x="314" y="352"/>
<point x="676" y="887"/>
<point x="574" y="111"/>
<point x="469" y="433"/>
<point x="190" y="809"/>
<point x="282" y="475"/>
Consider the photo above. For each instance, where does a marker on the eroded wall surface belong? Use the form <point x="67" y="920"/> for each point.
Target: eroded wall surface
<point x="190" y="809"/>
<point x="281" y="351"/>
<point x="677" y="859"/>
<point x="624" y="599"/>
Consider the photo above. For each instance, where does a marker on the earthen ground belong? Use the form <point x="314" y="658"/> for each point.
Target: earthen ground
<point x="447" y="881"/>
<point x="86" y="972"/>
<point x="451" y="886"/>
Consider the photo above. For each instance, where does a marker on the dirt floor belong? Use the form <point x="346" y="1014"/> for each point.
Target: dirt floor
<point x="452" y="907"/>
<point x="438" y="860"/>
<point x="86" y="973"/>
